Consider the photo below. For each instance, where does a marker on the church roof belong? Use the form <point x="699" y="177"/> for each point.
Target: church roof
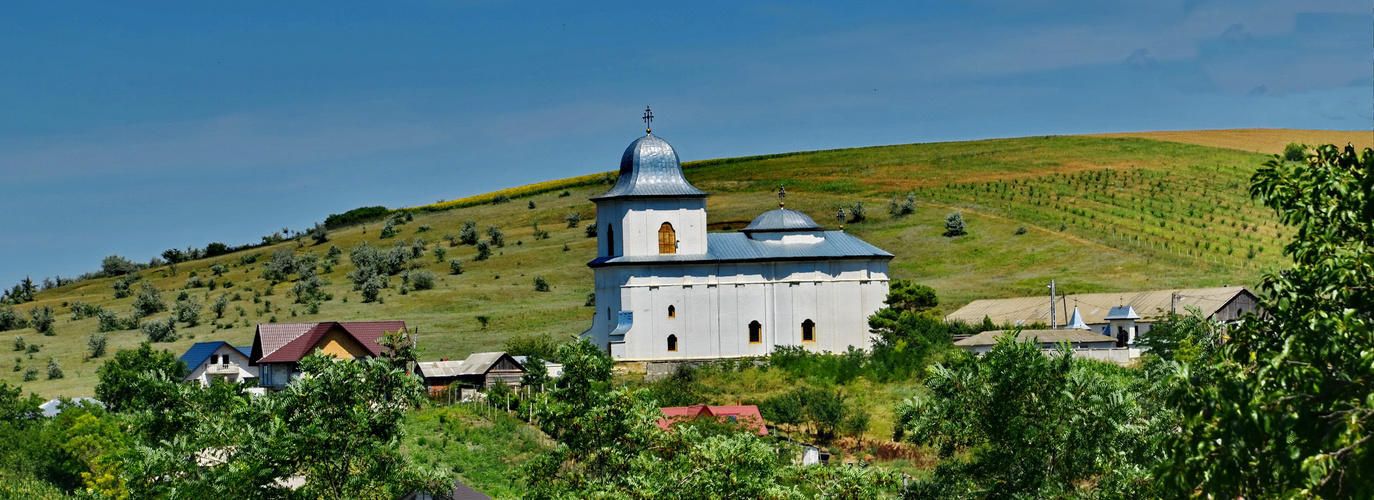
<point x="650" y="167"/>
<point x="735" y="247"/>
<point x="782" y="220"/>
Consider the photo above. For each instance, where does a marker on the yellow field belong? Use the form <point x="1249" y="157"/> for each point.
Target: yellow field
<point x="1258" y="140"/>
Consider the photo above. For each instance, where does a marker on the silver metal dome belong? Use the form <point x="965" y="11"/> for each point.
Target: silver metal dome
<point x="650" y="167"/>
<point x="782" y="220"/>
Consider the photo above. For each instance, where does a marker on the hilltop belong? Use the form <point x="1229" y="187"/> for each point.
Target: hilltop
<point x="1098" y="214"/>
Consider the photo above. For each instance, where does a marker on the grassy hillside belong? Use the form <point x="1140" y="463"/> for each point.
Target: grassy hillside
<point x="1100" y="214"/>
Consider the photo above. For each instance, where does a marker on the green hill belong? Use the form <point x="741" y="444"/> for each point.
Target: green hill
<point x="1100" y="214"/>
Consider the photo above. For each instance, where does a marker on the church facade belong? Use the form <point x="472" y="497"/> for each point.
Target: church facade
<point x="666" y="289"/>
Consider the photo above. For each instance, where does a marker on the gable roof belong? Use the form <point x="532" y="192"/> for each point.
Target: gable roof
<point x="746" y="415"/>
<point x="477" y="363"/>
<point x="1043" y="336"/>
<point x="1150" y="305"/>
<point x="737" y="247"/>
<point x="289" y="342"/>
<point x="199" y="352"/>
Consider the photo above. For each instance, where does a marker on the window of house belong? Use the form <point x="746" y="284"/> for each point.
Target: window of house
<point x="667" y="239"/>
<point x="610" y="240"/>
<point x="755" y="332"/>
<point x="672" y="343"/>
<point x="808" y="331"/>
<point x="672" y="312"/>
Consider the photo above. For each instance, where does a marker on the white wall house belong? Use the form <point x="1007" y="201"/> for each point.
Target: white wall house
<point x="666" y="289"/>
<point x="207" y="361"/>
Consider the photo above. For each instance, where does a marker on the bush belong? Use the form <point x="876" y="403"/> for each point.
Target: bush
<point x="32" y="348"/>
<point x="1294" y="152"/>
<point x="187" y="310"/>
<point x="540" y="234"/>
<point x="121" y="287"/>
<point x="115" y="265"/>
<point x="220" y="305"/>
<point x="573" y="219"/>
<point x="42" y="319"/>
<point x="591" y="230"/>
<point x="318" y="233"/>
<point x="439" y="253"/>
<point x="10" y="320"/>
<point x="591" y="300"/>
<point x="159" y="330"/>
<point x="355" y="216"/>
<point x="541" y="284"/>
<point x="423" y="279"/>
<point x="954" y="224"/>
<point x="496" y="236"/>
<point x="1020" y="230"/>
<point x="468" y="235"/>
<point x="901" y="208"/>
<point x="109" y="322"/>
<point x="389" y="230"/>
<point x="857" y="213"/>
<point x="218" y="268"/>
<point x="149" y="301"/>
<point x="96" y="344"/>
<point x="455" y="266"/>
<point x="565" y="194"/>
<point x="499" y="199"/>
<point x="280" y="267"/>
<point x="194" y="282"/>
<point x="423" y="228"/>
<point x="483" y="251"/>
<point x="531" y="204"/>
<point x="31" y="374"/>
<point x="19" y="343"/>
<point x="372" y="288"/>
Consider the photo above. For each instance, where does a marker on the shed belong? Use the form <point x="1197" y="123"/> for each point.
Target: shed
<point x="1049" y="340"/>
<point x="480" y="369"/>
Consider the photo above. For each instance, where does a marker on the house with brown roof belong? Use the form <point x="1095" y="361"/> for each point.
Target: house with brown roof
<point x="278" y="347"/>
<point x="746" y="416"/>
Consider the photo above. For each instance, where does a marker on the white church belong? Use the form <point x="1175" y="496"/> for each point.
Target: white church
<point x="668" y="290"/>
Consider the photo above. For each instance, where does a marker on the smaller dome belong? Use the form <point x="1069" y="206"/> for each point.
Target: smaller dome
<point x="780" y="221"/>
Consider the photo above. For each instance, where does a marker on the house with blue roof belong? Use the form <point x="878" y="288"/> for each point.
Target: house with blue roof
<point x="666" y="289"/>
<point x="208" y="361"/>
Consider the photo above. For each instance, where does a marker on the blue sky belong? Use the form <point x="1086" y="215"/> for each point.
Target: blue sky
<point x="129" y="129"/>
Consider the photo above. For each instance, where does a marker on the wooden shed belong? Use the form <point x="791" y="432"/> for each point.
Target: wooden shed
<point x="481" y="369"/>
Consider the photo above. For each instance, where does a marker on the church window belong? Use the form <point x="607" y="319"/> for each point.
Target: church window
<point x="672" y="343"/>
<point x="610" y="240"/>
<point x="755" y="332"/>
<point x="672" y="312"/>
<point x="808" y="331"/>
<point x="667" y="239"/>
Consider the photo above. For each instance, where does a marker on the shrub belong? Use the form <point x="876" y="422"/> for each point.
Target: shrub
<point x="483" y="251"/>
<point x="423" y="228"/>
<point x="42" y="319"/>
<point x="1020" y="230"/>
<point x="417" y="248"/>
<point x="954" y="224"/>
<point x="439" y="253"/>
<point x="220" y="305"/>
<point x="121" y="288"/>
<point x="591" y="300"/>
<point x="531" y="204"/>
<point x="159" y="330"/>
<point x="455" y="266"/>
<point x="247" y="259"/>
<point x="540" y="234"/>
<point x="1294" y="152"/>
<point x="10" y="320"/>
<point x="372" y="288"/>
<point x="280" y="267"/>
<point x="591" y="230"/>
<point x="468" y="235"/>
<point x="31" y="374"/>
<point x="389" y="230"/>
<point x="565" y="194"/>
<point x="499" y="199"/>
<point x="109" y="322"/>
<point x="318" y="233"/>
<point x="187" y="310"/>
<point x="573" y="219"/>
<point x="149" y="301"/>
<point x="904" y="207"/>
<point x="423" y="279"/>
<point x="857" y="213"/>
<point x="19" y="343"/>
<point x="115" y="265"/>
<point x="484" y="320"/>
<point x="96" y="344"/>
<point x="218" y="268"/>
<point x="194" y="282"/>
<point x="355" y="216"/>
<point x="541" y="284"/>
<point x="32" y="348"/>
<point x="496" y="236"/>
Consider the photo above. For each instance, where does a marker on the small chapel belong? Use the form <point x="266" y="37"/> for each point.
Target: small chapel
<point x="666" y="289"/>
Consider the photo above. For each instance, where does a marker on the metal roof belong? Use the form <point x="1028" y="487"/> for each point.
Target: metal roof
<point x="1121" y="312"/>
<point x="1043" y="336"/>
<point x="782" y="220"/>
<point x="477" y="363"/>
<point x="1151" y="305"/>
<point x="650" y="167"/>
<point x="201" y="351"/>
<point x="735" y="247"/>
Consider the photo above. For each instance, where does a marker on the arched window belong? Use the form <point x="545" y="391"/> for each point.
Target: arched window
<point x="610" y="240"/>
<point x="755" y="332"/>
<point x="667" y="239"/>
<point x="672" y="343"/>
<point x="808" y="331"/>
<point x="672" y="312"/>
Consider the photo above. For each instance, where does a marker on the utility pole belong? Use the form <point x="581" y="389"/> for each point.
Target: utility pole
<point x="1054" y="322"/>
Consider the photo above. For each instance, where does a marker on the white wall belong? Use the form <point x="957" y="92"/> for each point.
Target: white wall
<point x="236" y="358"/>
<point x="636" y="223"/>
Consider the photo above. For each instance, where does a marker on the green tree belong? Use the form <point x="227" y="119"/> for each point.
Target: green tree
<point x="149" y="301"/>
<point x="144" y="381"/>
<point x="1285" y="410"/>
<point x="954" y="224"/>
<point x="42" y="319"/>
<point x="468" y="235"/>
<point x="906" y="295"/>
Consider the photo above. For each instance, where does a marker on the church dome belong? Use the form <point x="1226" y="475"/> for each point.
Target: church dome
<point x="782" y="220"/>
<point x="650" y="167"/>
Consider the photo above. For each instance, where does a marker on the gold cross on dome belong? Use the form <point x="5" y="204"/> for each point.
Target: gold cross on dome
<point x="648" y="119"/>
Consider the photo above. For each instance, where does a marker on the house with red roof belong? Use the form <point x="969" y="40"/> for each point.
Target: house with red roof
<point x="747" y="416"/>
<point x="278" y="347"/>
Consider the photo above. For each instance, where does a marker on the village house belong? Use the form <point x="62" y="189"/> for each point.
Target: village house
<point x="218" y="360"/>
<point x="1085" y="343"/>
<point x="278" y="347"/>
<point x="745" y="415"/>
<point x="668" y="290"/>
<point x="479" y="370"/>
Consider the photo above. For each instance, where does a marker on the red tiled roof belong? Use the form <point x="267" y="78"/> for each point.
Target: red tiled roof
<point x="746" y="415"/>
<point x="289" y="348"/>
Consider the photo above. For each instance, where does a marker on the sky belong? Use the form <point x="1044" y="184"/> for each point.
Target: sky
<point x="132" y="128"/>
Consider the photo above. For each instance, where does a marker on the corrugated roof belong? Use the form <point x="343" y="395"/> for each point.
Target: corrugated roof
<point x="201" y="351"/>
<point x="650" y="167"/>
<point x="477" y="363"/>
<point x="781" y="220"/>
<point x="1044" y="336"/>
<point x="366" y="333"/>
<point x="1150" y="305"/>
<point x="733" y="247"/>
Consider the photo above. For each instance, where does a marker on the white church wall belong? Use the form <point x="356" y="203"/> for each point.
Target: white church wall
<point x="636" y="222"/>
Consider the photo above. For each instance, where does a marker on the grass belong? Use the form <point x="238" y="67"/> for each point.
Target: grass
<point x="485" y="453"/>
<point x="1109" y="195"/>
